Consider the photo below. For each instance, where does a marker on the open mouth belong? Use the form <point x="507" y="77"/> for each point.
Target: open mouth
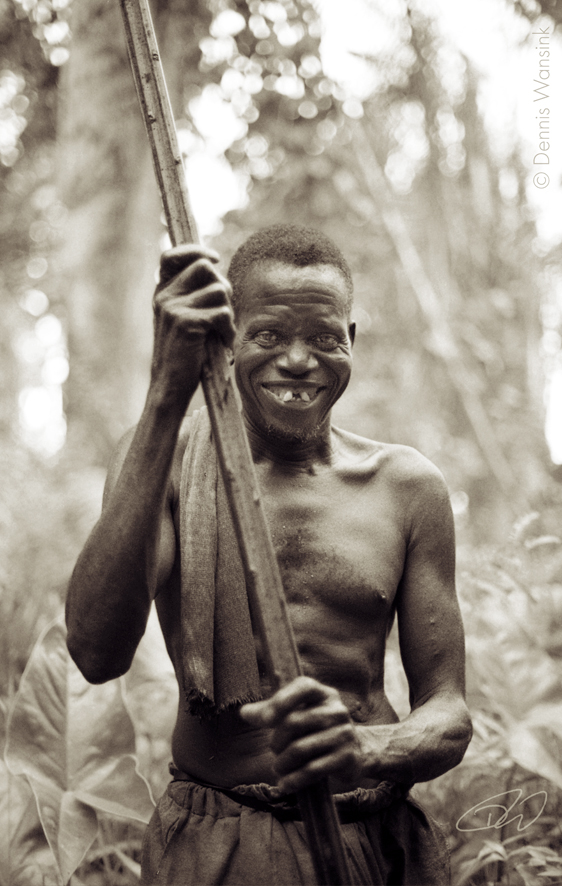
<point x="293" y="394"/>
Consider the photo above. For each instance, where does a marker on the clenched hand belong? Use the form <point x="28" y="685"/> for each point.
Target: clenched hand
<point x="313" y="734"/>
<point x="190" y="301"/>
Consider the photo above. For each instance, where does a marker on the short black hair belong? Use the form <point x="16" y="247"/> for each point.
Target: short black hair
<point x="291" y="244"/>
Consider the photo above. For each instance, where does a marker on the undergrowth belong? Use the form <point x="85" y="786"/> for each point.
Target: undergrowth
<point x="501" y="807"/>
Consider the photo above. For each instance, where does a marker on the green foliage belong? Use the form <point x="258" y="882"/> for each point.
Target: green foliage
<point x="74" y="743"/>
<point x="511" y="601"/>
<point x="46" y="512"/>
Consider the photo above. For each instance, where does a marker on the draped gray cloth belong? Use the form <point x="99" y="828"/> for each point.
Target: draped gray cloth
<point x="220" y="669"/>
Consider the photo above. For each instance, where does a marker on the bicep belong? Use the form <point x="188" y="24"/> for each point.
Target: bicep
<point x="429" y="620"/>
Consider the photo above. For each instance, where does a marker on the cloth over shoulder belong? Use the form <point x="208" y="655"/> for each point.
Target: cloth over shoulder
<point x="220" y="668"/>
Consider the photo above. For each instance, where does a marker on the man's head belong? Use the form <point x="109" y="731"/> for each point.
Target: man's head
<point x="292" y="351"/>
<point x="291" y="245"/>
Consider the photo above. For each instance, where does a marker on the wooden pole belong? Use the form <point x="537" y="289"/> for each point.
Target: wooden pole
<point x="263" y="581"/>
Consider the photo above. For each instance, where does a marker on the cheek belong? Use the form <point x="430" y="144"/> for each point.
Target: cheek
<point x="339" y="365"/>
<point x="247" y="360"/>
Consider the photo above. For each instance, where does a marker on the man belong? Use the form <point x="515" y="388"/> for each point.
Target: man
<point x="362" y="530"/>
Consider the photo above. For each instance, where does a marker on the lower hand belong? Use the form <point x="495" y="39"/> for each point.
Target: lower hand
<point x="313" y="734"/>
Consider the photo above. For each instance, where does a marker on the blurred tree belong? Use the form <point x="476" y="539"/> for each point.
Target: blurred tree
<point x="472" y="399"/>
<point x="433" y="222"/>
<point x="531" y="9"/>
<point x="448" y="358"/>
<point x="265" y="56"/>
<point x="27" y="222"/>
<point x="111" y="244"/>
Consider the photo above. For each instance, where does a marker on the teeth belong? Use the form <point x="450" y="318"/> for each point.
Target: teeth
<point x="287" y="396"/>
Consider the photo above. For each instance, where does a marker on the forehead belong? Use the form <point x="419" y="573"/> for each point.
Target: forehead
<point x="275" y="284"/>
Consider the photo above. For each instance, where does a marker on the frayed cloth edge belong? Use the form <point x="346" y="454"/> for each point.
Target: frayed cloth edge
<point x="200" y="705"/>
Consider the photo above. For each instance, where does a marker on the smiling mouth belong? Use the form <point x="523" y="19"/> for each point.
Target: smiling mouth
<point x="295" y="394"/>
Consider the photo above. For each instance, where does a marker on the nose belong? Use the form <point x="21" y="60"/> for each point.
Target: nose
<point x="297" y="358"/>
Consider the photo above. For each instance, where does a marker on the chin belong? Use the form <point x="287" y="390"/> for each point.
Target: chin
<point x="292" y="435"/>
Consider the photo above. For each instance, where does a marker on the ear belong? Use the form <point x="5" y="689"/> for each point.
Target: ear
<point x="351" y="330"/>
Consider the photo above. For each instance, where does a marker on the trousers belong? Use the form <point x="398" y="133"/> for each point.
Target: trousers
<point x="200" y="835"/>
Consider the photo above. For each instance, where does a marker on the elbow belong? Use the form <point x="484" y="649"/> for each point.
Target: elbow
<point x="462" y="734"/>
<point x="96" y="668"/>
<point x="467" y="726"/>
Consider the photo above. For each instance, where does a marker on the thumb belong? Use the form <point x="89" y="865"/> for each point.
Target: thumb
<point x="258" y="713"/>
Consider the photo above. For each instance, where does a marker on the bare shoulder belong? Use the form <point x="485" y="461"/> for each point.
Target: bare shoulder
<point x="414" y="472"/>
<point x="404" y="465"/>
<point x="412" y="479"/>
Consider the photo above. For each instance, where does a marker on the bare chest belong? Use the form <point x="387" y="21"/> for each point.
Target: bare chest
<point x="339" y="545"/>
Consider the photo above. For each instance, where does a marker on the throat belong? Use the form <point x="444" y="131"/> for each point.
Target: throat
<point x="305" y="449"/>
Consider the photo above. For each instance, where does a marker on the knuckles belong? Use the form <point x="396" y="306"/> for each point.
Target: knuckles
<point x="313" y="735"/>
<point x="178" y="259"/>
<point x="191" y="300"/>
<point x="205" y="281"/>
<point x="195" y="312"/>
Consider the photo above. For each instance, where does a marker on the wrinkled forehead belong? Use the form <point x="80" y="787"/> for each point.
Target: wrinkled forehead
<point x="275" y="284"/>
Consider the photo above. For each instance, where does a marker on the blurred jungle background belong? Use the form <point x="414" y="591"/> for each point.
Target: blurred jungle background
<point x="423" y="176"/>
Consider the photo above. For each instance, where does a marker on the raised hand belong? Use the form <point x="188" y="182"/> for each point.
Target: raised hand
<point x="190" y="301"/>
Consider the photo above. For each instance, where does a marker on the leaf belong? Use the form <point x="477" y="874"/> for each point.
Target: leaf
<point x="521" y="525"/>
<point x="548" y="716"/>
<point x="150" y="683"/>
<point x="132" y="866"/>
<point x="532" y="543"/>
<point x="529" y="751"/>
<point x="490" y="851"/>
<point x="74" y="744"/>
<point x="122" y="793"/>
<point x="25" y="857"/>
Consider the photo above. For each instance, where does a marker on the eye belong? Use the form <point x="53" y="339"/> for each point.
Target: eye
<point x="326" y="341"/>
<point x="266" y="338"/>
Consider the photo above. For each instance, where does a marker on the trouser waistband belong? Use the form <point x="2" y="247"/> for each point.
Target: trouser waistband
<point x="352" y="806"/>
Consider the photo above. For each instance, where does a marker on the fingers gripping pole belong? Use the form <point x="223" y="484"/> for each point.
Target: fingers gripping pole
<point x="263" y="581"/>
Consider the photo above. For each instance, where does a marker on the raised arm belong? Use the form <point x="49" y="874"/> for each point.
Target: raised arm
<point x="130" y="553"/>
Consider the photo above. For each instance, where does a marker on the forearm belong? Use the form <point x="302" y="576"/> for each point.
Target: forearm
<point x="427" y="743"/>
<point x="114" y="580"/>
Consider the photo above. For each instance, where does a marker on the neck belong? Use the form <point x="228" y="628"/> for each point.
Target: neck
<point x="301" y="452"/>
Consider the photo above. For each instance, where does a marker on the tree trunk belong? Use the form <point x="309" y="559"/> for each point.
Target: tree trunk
<point x="112" y="238"/>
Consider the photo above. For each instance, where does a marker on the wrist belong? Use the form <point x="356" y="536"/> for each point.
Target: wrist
<point x="365" y="758"/>
<point x="170" y="401"/>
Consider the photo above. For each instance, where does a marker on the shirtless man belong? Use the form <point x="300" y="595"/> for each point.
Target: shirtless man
<point x="362" y="530"/>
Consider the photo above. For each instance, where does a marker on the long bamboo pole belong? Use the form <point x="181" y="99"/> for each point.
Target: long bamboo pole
<point x="263" y="581"/>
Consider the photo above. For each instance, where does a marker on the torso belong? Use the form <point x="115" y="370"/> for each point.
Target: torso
<point x="340" y="534"/>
